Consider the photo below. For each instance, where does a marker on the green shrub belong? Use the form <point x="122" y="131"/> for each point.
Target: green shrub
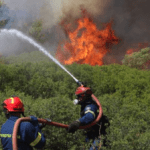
<point x="47" y="92"/>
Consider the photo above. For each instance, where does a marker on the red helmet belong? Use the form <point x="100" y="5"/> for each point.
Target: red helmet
<point x="13" y="104"/>
<point x="81" y="92"/>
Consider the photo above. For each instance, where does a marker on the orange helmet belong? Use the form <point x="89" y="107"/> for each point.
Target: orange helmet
<point x="81" y="92"/>
<point x="13" y="104"/>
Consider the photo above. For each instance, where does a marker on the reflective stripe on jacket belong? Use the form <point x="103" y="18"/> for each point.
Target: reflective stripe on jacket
<point x="8" y="136"/>
<point x="29" y="134"/>
<point x="36" y="141"/>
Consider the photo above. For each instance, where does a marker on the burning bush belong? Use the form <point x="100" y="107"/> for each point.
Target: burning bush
<point x="138" y="60"/>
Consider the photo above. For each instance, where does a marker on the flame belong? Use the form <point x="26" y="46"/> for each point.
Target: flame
<point x="87" y="44"/>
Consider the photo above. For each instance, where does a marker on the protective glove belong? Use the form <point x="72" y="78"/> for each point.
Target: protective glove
<point x="73" y="126"/>
<point x="42" y="125"/>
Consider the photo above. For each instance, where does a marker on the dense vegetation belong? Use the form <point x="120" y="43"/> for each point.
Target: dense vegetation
<point x="47" y="92"/>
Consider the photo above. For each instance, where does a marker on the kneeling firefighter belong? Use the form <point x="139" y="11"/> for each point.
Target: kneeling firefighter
<point x="29" y="133"/>
<point x="89" y="112"/>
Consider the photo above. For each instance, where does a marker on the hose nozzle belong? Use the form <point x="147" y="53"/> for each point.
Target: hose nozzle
<point x="81" y="83"/>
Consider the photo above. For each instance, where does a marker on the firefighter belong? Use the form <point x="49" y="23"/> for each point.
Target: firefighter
<point x="89" y="112"/>
<point x="29" y="133"/>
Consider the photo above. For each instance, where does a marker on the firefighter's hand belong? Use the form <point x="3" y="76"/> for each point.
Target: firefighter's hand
<point x="73" y="126"/>
<point x="42" y="125"/>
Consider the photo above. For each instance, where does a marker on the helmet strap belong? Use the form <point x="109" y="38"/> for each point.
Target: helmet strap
<point x="23" y="114"/>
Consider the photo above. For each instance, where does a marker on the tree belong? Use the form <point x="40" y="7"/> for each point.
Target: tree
<point x="36" y="31"/>
<point x="5" y="20"/>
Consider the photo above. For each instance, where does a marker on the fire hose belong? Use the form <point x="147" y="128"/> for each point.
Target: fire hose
<point x="16" y="126"/>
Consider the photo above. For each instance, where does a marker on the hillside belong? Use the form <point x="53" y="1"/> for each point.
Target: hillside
<point x="108" y="53"/>
<point x="123" y="92"/>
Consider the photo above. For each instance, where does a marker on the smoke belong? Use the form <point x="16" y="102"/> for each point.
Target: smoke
<point x="25" y="12"/>
<point x="130" y="18"/>
<point x="20" y="15"/>
<point x="94" y="7"/>
<point x="131" y="23"/>
<point x="12" y="45"/>
<point x="50" y="12"/>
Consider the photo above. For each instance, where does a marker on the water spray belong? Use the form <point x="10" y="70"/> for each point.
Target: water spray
<point x="16" y="126"/>
<point x="35" y="44"/>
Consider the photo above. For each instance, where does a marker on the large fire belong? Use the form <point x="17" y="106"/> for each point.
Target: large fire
<point x="86" y="44"/>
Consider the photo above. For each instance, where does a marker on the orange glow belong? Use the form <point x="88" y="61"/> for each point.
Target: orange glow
<point x="139" y="47"/>
<point x="130" y="51"/>
<point x="86" y="44"/>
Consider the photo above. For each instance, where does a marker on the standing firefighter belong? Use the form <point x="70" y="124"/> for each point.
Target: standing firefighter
<point x="89" y="112"/>
<point x="29" y="133"/>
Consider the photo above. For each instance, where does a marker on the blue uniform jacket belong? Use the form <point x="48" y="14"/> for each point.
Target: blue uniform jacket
<point x="89" y="112"/>
<point x="27" y="133"/>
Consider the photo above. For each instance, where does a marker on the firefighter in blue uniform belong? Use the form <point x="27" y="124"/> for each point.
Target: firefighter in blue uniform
<point x="89" y="112"/>
<point x="29" y="133"/>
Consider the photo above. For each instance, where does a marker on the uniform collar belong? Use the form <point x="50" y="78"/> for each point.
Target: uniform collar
<point x="13" y="118"/>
